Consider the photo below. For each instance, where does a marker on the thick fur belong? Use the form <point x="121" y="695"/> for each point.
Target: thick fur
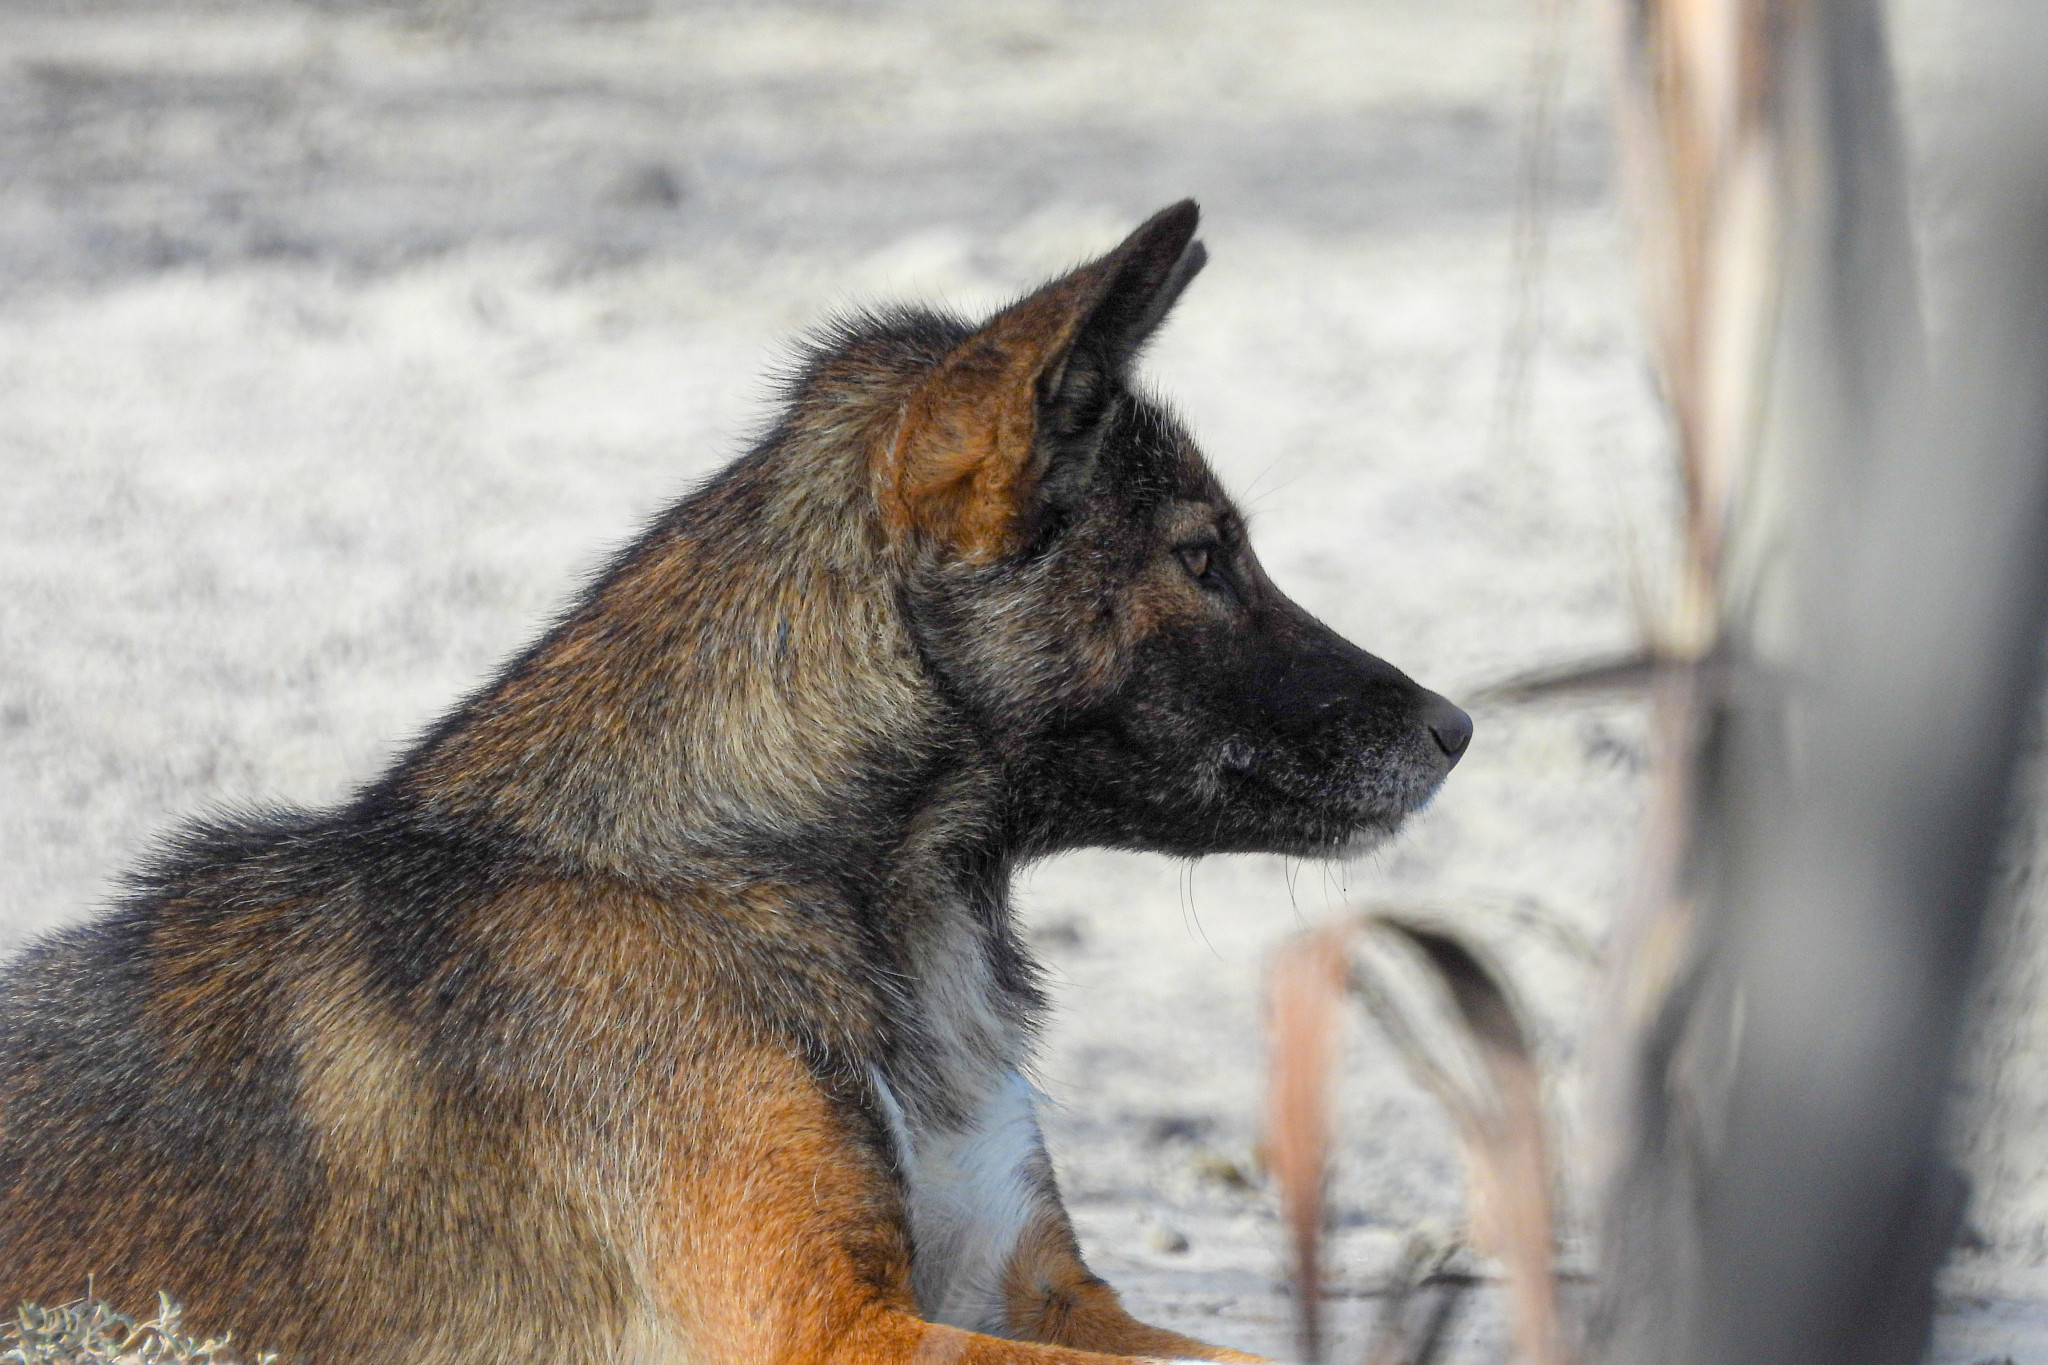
<point x="664" y="1003"/>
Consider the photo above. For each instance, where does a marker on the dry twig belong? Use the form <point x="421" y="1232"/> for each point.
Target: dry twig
<point x="1455" y="1025"/>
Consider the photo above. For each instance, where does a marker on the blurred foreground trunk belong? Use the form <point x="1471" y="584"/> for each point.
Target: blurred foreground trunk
<point x="1844" y="677"/>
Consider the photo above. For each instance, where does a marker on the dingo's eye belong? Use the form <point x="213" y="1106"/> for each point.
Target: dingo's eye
<point x="1197" y="560"/>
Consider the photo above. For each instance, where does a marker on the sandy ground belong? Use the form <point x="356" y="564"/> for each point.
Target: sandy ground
<point x="337" y="342"/>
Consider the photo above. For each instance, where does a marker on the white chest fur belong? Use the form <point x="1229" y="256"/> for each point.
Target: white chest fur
<point x="972" y="1191"/>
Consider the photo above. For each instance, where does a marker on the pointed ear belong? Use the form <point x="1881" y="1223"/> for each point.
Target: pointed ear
<point x="1144" y="279"/>
<point x="967" y="462"/>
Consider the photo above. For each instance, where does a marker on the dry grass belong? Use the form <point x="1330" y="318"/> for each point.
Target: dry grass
<point x="90" y="1332"/>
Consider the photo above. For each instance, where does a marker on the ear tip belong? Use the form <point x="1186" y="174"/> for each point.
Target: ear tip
<point x="1179" y="220"/>
<point x="1167" y="238"/>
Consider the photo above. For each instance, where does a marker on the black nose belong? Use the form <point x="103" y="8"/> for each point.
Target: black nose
<point x="1451" y="727"/>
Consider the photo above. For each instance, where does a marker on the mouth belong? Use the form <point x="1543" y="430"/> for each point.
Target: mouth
<point x="1389" y="793"/>
<point x="1429" y="793"/>
<point x="1322" y="814"/>
<point x="1342" y="835"/>
<point x="1363" y="842"/>
<point x="1379" y="814"/>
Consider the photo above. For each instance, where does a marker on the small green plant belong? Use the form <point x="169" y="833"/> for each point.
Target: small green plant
<point x="90" y="1332"/>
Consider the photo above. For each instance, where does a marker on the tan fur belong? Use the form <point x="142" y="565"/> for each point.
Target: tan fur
<point x="774" y="740"/>
<point x="1053" y="1297"/>
<point x="965" y="456"/>
<point x="358" y="1076"/>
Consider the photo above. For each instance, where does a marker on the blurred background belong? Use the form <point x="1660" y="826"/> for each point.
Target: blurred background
<point x="339" y="341"/>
